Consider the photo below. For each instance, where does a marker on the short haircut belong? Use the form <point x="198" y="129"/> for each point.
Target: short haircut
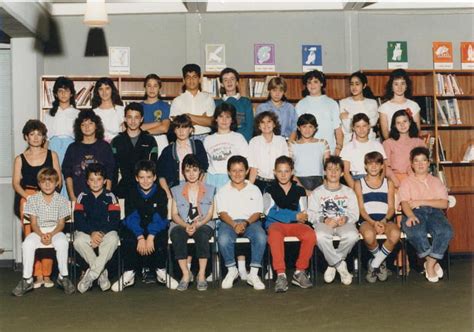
<point x="319" y="75"/>
<point x="88" y="115"/>
<point x="48" y="173"/>
<point x="237" y="160"/>
<point x="190" y="160"/>
<point x="227" y="71"/>
<point x="32" y="125"/>
<point x="335" y="160"/>
<point x="285" y="160"/>
<point x="145" y="165"/>
<point x="225" y="108"/>
<point x="259" y="118"/>
<point x="191" y="67"/>
<point x="412" y="131"/>
<point x="304" y="119"/>
<point x="360" y="117"/>
<point x="420" y="150"/>
<point x="277" y="82"/>
<point x="62" y="83"/>
<point x="97" y="169"/>
<point x="373" y="157"/>
<point x="134" y="106"/>
<point x="181" y="121"/>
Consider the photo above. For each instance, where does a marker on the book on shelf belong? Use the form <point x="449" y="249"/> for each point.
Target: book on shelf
<point x="429" y="142"/>
<point x="442" y="152"/>
<point x="426" y="112"/>
<point x="86" y="96"/>
<point x="47" y="95"/>
<point x="441" y="114"/>
<point x="211" y="86"/>
<point x="447" y="85"/>
<point x="449" y="112"/>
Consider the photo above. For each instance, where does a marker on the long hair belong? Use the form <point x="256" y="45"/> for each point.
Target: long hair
<point x="394" y="133"/>
<point x="225" y="108"/>
<point x="96" y="100"/>
<point x="367" y="91"/>
<point x="306" y="118"/>
<point x="394" y="75"/>
<point x="62" y="83"/>
<point x="273" y="117"/>
<point x="88" y="115"/>
<point x="152" y="77"/>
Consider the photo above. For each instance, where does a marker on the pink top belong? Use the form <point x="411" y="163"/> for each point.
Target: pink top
<point x="398" y="153"/>
<point x="412" y="188"/>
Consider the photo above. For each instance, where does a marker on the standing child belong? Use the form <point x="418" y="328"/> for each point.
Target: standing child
<point x="47" y="211"/>
<point x="229" y="78"/>
<point x="278" y="104"/>
<point x="398" y="92"/>
<point x="376" y="197"/>
<point x="333" y="210"/>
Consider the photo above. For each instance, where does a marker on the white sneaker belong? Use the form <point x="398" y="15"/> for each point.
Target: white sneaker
<point x="231" y="275"/>
<point x="210" y="278"/>
<point x="269" y="274"/>
<point x="164" y="278"/>
<point x="104" y="282"/>
<point x="346" y="277"/>
<point x="86" y="282"/>
<point x="330" y="274"/>
<point x="126" y="279"/>
<point x="254" y="280"/>
<point x="243" y="275"/>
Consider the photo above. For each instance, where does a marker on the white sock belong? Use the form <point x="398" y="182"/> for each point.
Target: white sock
<point x="254" y="271"/>
<point x="189" y="266"/>
<point x="380" y="257"/>
<point x="298" y="271"/>
<point x="242" y="268"/>
<point x="282" y="274"/>
<point x="29" y="280"/>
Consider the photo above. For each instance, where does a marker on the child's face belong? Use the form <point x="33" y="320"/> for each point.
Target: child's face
<point x="314" y="87"/>
<point x="373" y="168"/>
<point x="224" y="120"/>
<point x="192" y="174"/>
<point x="35" y="138"/>
<point x="229" y="82"/>
<point x="95" y="182"/>
<point x="105" y="92"/>
<point x="283" y="173"/>
<point x="361" y="129"/>
<point x="420" y="164"/>
<point x="307" y="130"/>
<point x="152" y="88"/>
<point x="64" y="95"/>
<point x="88" y="128"/>
<point x="276" y="94"/>
<point x="183" y="133"/>
<point x="237" y="173"/>
<point x="333" y="173"/>
<point x="191" y="81"/>
<point x="356" y="86"/>
<point x="48" y="186"/>
<point x="402" y="123"/>
<point x="267" y="125"/>
<point x="145" y="179"/>
<point x="133" y="119"/>
<point x="399" y="86"/>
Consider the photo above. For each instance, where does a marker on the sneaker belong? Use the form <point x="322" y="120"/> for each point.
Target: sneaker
<point x="86" y="282"/>
<point x="302" y="280"/>
<point x="182" y="286"/>
<point x="281" y="284"/>
<point x="38" y="284"/>
<point x="148" y="277"/>
<point x="126" y="279"/>
<point x="243" y="275"/>
<point x="66" y="284"/>
<point x="439" y="271"/>
<point x="269" y="273"/>
<point x="48" y="283"/>
<point x="164" y="278"/>
<point x="229" y="279"/>
<point x="210" y="278"/>
<point x="254" y="280"/>
<point x="382" y="272"/>
<point x="201" y="285"/>
<point x="103" y="280"/>
<point x="330" y="274"/>
<point x="371" y="275"/>
<point x="346" y="277"/>
<point x="23" y="287"/>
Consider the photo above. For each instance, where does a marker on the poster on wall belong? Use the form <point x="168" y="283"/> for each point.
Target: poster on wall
<point x="467" y="55"/>
<point x="312" y="57"/>
<point x="264" y="57"/>
<point x="442" y="55"/>
<point x="215" y="57"/>
<point x="397" y="54"/>
<point x="119" y="60"/>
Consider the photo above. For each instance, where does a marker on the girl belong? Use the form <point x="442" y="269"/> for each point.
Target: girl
<point x="156" y="112"/>
<point x="223" y="144"/>
<point x="264" y="149"/>
<point x="108" y="105"/>
<point x="25" y="170"/>
<point x="191" y="212"/>
<point x="397" y="93"/>
<point x="278" y="104"/>
<point x="309" y="153"/>
<point x="354" y="152"/>
<point x="324" y="109"/>
<point x="229" y="78"/>
<point x="361" y="100"/>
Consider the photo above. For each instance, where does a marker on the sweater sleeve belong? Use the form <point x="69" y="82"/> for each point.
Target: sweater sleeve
<point x="132" y="219"/>
<point x="113" y="211"/>
<point x="201" y="155"/>
<point x="80" y="222"/>
<point x="315" y="214"/>
<point x="109" y="161"/>
<point x="248" y="130"/>
<point x="353" y="207"/>
<point x="67" y="162"/>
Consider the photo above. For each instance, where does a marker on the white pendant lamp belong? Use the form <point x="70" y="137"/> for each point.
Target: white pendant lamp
<point x="96" y="15"/>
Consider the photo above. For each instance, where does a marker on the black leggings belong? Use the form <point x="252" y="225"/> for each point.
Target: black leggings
<point x="134" y="261"/>
<point x="179" y="237"/>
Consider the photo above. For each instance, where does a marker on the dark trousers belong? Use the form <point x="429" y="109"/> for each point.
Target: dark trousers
<point x="134" y="261"/>
<point x="179" y="238"/>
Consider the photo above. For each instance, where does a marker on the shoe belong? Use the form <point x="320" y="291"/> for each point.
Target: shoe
<point x="104" y="282"/>
<point x="85" y="283"/>
<point x="23" y="287"/>
<point x="48" y="283"/>
<point x="269" y="274"/>
<point x="371" y="275"/>
<point x="243" y="275"/>
<point x="182" y="286"/>
<point x="437" y="269"/>
<point x="148" y="277"/>
<point x="302" y="280"/>
<point x="38" y="284"/>
<point x="254" y="280"/>
<point x="66" y="284"/>
<point x="281" y="284"/>
<point x="126" y="279"/>
<point x="346" y="277"/>
<point x="382" y="272"/>
<point x="201" y="285"/>
<point x="210" y="278"/>
<point x="330" y="274"/>
<point x="164" y="278"/>
<point x="229" y="279"/>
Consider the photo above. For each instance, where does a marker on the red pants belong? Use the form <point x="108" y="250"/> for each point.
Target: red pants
<point x="276" y="235"/>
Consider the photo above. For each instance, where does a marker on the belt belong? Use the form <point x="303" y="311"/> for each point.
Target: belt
<point x="259" y="178"/>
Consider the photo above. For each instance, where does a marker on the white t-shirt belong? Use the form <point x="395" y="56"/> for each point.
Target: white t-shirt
<point x="355" y="151"/>
<point x="62" y="123"/>
<point x="239" y="204"/>
<point x="353" y="107"/>
<point x="389" y="108"/>
<point x="220" y="147"/>
<point x="262" y="154"/>
<point x="112" y="119"/>
<point x="201" y="103"/>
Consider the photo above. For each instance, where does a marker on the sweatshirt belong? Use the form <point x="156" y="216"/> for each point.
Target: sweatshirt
<point x="326" y="203"/>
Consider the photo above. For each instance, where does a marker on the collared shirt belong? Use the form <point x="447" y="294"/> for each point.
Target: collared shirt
<point x="355" y="151"/>
<point x="201" y="103"/>
<point x="239" y="204"/>
<point x="286" y="116"/>
<point x="262" y="154"/>
<point x="62" y="123"/>
<point x="47" y="214"/>
<point x="398" y="152"/>
<point x="112" y="119"/>
<point x="413" y="188"/>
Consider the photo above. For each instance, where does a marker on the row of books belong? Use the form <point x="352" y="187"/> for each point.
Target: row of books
<point x="447" y="85"/>
<point x="83" y="96"/>
<point x="212" y="86"/>
<point x="448" y="111"/>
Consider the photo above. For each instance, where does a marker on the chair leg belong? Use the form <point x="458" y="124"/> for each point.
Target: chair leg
<point x="269" y="264"/>
<point x="448" y="258"/>
<point x="312" y="268"/>
<point x="315" y="255"/>
<point x="358" y="265"/>
<point x="404" y="260"/>
<point x="169" y="267"/>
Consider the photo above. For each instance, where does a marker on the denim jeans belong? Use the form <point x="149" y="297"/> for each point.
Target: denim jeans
<point x="433" y="222"/>
<point x="254" y="232"/>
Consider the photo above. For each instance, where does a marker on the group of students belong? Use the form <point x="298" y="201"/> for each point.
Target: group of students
<point x="278" y="174"/>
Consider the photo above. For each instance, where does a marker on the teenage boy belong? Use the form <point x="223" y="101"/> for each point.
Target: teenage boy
<point x="198" y="105"/>
<point x="96" y="218"/>
<point x="286" y="217"/>
<point x="145" y="235"/>
<point x="239" y="206"/>
<point x="131" y="146"/>
<point x="47" y="211"/>
<point x="333" y="210"/>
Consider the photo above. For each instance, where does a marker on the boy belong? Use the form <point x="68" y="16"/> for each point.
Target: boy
<point x="285" y="217"/>
<point x="333" y="210"/>
<point x="199" y="106"/>
<point x="131" y="146"/>
<point x="423" y="197"/>
<point x="239" y="206"/>
<point x="47" y="211"/>
<point x="376" y="197"/>
<point x="96" y="218"/>
<point x="145" y="235"/>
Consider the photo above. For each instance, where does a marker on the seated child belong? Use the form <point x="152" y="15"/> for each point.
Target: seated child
<point x="285" y="217"/>
<point x="47" y="211"/>
<point x="96" y="219"/>
<point x="333" y="210"/>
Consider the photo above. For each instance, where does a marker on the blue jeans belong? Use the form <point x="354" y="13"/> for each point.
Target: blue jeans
<point x="432" y="221"/>
<point x="254" y="232"/>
